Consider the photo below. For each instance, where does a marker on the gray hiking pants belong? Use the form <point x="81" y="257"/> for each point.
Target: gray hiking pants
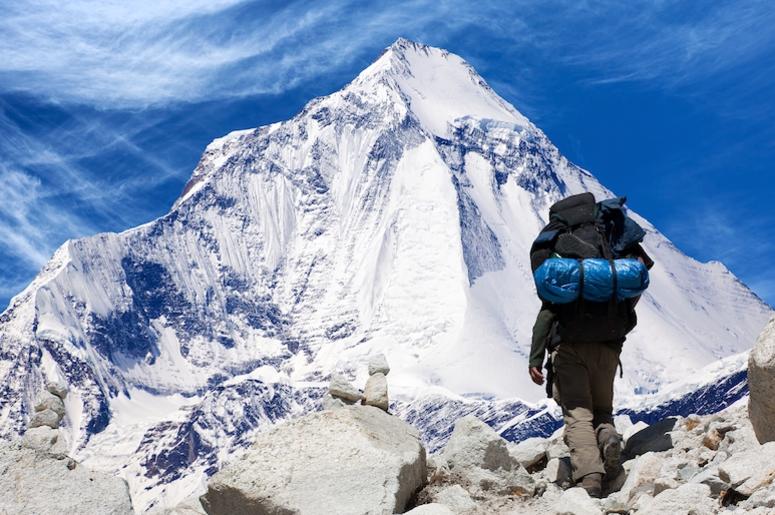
<point x="584" y="388"/>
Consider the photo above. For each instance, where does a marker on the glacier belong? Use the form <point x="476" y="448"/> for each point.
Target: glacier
<point x="395" y="216"/>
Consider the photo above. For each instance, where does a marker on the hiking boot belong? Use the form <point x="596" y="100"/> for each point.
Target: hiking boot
<point x="593" y="484"/>
<point x="611" y="449"/>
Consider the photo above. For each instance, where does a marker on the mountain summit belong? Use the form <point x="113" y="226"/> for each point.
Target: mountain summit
<point x="392" y="216"/>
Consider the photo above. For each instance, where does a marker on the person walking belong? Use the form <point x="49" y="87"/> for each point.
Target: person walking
<point x="584" y="338"/>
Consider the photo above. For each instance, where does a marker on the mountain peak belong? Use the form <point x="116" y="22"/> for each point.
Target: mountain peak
<point x="441" y="87"/>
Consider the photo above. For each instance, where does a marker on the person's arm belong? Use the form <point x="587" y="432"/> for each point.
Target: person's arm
<point x="541" y="329"/>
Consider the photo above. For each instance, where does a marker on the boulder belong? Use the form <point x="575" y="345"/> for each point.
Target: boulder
<point x="688" y="499"/>
<point x="641" y="477"/>
<point x="748" y="471"/>
<point x="530" y="453"/>
<point x="376" y="392"/>
<point x="47" y="400"/>
<point x="40" y="438"/>
<point x="46" y="417"/>
<point x="576" y="501"/>
<point x="480" y="459"/>
<point x="456" y="498"/>
<point x="654" y="438"/>
<point x="353" y="460"/>
<point x="378" y="365"/>
<point x="431" y="509"/>
<point x="761" y="382"/>
<point x="58" y="388"/>
<point x="340" y="387"/>
<point x="36" y="482"/>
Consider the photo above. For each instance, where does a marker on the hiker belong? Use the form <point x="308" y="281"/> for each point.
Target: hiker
<point x="584" y="337"/>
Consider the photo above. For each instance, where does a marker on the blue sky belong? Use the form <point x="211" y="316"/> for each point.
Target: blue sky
<point x="106" y="106"/>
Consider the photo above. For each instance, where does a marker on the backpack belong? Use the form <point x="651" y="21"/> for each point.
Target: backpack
<point x="581" y="228"/>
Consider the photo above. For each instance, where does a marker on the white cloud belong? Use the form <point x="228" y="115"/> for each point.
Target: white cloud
<point x="113" y="53"/>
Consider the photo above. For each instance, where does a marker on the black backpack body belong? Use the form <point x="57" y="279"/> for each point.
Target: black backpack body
<point x="579" y="228"/>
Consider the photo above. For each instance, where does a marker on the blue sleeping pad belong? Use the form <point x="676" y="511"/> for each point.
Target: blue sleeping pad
<point x="557" y="279"/>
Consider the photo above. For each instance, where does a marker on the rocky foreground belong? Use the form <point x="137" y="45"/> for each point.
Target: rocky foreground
<point x="356" y="458"/>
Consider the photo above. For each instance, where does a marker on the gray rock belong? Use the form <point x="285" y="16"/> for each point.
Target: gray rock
<point x="709" y="476"/>
<point x="637" y="427"/>
<point x="556" y="448"/>
<point x="559" y="471"/>
<point x="353" y="460"/>
<point x="47" y="400"/>
<point x="530" y="453"/>
<point x="431" y="509"/>
<point x="748" y="471"/>
<point x="456" y="498"/>
<point x="378" y="364"/>
<point x="739" y="440"/>
<point x="40" y="438"/>
<point x="62" y="446"/>
<point x="761" y="381"/>
<point x="35" y="482"/>
<point x="688" y="499"/>
<point x="654" y="438"/>
<point x="376" y="392"/>
<point x="761" y="498"/>
<point x="340" y="387"/>
<point x="330" y="402"/>
<point x="46" y="417"/>
<point x="576" y="501"/>
<point x="686" y="471"/>
<point x="664" y="483"/>
<point x="641" y="476"/>
<point x="58" y="388"/>
<point x="481" y="460"/>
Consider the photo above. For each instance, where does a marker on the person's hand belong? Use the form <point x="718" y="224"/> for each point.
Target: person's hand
<point x="536" y="375"/>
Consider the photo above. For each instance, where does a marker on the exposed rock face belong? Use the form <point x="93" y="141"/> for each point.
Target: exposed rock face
<point x="39" y="483"/>
<point x="761" y="381"/>
<point x="482" y="460"/>
<point x="353" y="460"/>
<point x="376" y="391"/>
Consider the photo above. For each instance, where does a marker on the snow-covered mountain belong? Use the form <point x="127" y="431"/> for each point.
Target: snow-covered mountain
<point x="394" y="215"/>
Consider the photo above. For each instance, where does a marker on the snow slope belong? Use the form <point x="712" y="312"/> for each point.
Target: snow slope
<point x="394" y="215"/>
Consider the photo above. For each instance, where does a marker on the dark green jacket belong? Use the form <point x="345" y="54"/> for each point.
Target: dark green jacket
<point x="541" y="329"/>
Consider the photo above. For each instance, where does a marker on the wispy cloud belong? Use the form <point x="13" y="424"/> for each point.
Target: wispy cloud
<point x="149" y="52"/>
